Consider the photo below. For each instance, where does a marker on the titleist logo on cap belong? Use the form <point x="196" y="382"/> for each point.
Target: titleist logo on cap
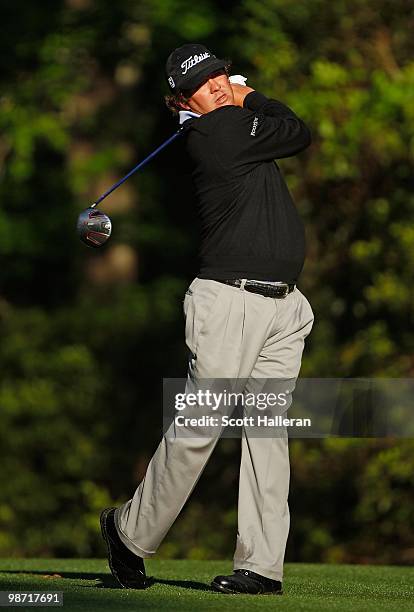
<point x="192" y="61"/>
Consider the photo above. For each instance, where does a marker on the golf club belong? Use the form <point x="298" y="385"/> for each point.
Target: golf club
<point x="94" y="227"/>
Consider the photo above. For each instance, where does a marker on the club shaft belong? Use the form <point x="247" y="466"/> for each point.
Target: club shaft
<point x="137" y="167"/>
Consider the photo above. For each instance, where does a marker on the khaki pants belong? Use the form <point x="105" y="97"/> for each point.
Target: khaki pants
<point x="231" y="333"/>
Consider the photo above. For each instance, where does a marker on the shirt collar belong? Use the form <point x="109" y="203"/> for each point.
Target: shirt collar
<point x="186" y="114"/>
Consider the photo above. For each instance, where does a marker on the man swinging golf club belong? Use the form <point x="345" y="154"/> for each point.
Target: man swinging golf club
<point x="245" y="317"/>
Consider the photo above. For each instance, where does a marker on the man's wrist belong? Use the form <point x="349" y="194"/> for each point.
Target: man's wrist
<point x="240" y="92"/>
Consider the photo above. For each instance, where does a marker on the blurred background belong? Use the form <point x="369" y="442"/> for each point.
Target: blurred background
<point x="87" y="336"/>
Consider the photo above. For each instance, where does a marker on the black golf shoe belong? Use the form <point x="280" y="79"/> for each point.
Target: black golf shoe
<point x="126" y="567"/>
<point x="245" y="581"/>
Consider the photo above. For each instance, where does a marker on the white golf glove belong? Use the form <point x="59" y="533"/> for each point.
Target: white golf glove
<point x="238" y="79"/>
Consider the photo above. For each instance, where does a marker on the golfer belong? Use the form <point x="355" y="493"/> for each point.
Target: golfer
<point x="245" y="317"/>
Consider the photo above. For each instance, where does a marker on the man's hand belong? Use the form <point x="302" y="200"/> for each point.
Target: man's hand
<point x="240" y="92"/>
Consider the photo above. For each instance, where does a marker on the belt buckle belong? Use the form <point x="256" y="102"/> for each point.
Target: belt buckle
<point x="285" y="286"/>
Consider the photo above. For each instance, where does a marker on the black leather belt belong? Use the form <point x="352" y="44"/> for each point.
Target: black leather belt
<point x="281" y="290"/>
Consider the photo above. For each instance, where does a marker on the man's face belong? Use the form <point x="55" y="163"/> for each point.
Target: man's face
<point x="213" y="93"/>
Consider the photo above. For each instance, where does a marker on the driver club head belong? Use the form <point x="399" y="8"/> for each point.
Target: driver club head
<point x="94" y="227"/>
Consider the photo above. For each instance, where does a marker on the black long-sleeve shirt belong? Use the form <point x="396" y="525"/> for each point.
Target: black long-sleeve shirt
<point x="250" y="226"/>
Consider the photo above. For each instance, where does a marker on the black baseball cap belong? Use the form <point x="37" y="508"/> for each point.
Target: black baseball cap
<point x="189" y="65"/>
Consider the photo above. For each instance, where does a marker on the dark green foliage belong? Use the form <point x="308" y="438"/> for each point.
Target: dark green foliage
<point x="86" y="337"/>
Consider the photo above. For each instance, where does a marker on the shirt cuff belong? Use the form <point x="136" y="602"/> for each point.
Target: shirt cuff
<point x="254" y="100"/>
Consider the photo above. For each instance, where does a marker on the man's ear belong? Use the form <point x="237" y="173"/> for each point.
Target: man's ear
<point x="183" y="102"/>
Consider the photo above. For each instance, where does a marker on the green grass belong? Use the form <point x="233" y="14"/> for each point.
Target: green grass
<point x="184" y="585"/>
